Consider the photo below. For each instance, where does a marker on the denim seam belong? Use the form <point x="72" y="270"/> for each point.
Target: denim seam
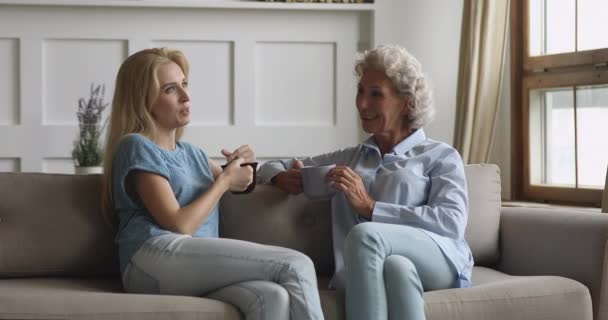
<point x="384" y="254"/>
<point x="389" y="249"/>
<point x="259" y="297"/>
<point x="287" y="266"/>
<point x="211" y="255"/>
<point x="178" y="253"/>
<point x="196" y="254"/>
<point x="140" y="269"/>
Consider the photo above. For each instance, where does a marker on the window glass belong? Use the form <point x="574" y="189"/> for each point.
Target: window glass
<point x="536" y="27"/>
<point x="552" y="147"/>
<point x="592" y="24"/>
<point x="592" y="135"/>
<point x="552" y="26"/>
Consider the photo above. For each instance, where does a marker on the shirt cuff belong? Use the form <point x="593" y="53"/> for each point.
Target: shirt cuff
<point x="265" y="175"/>
<point x="385" y="213"/>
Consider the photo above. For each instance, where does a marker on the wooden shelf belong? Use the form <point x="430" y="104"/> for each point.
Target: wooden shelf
<point x="211" y="4"/>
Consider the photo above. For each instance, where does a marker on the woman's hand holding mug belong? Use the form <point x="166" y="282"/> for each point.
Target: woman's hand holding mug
<point x="239" y="177"/>
<point x="291" y="180"/>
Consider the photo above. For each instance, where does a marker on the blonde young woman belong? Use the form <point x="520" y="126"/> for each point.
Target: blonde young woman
<point x="399" y="215"/>
<point x="165" y="192"/>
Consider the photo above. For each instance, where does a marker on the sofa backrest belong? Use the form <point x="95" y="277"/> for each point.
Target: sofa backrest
<point x="483" y="183"/>
<point x="50" y="224"/>
<point x="270" y="216"/>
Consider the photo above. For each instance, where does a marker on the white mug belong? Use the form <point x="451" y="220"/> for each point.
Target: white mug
<point x="315" y="185"/>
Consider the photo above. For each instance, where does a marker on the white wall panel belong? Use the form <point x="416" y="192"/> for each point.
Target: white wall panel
<point x="430" y="30"/>
<point x="9" y="81"/>
<point x="261" y="77"/>
<point x="69" y="68"/>
<point x="9" y="165"/>
<point x="58" y="165"/>
<point x="210" y="81"/>
<point x="295" y="83"/>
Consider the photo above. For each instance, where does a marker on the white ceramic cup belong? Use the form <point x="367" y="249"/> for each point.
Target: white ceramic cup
<point x="315" y="186"/>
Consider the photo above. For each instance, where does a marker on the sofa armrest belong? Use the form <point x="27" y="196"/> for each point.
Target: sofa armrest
<point x="560" y="242"/>
<point x="270" y="216"/>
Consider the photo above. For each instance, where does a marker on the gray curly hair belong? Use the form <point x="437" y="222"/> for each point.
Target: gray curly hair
<point x="406" y="74"/>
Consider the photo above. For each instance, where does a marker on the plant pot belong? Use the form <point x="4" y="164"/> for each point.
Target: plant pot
<point x="88" y="170"/>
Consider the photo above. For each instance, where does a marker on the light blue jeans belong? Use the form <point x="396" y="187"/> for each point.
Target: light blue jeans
<point x="263" y="282"/>
<point x="388" y="268"/>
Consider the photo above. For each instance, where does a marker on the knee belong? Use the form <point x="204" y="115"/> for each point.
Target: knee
<point x="301" y="263"/>
<point x="401" y="270"/>
<point x="267" y="300"/>
<point x="363" y="237"/>
<point x="395" y="264"/>
<point x="272" y="293"/>
<point x="363" y="233"/>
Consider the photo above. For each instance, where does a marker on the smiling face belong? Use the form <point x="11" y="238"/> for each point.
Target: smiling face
<point x="171" y="110"/>
<point x="381" y="110"/>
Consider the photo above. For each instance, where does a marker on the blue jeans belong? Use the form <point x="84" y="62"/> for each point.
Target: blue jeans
<point x="263" y="282"/>
<point x="388" y="268"/>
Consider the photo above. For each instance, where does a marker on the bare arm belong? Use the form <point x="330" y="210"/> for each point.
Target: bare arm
<point x="216" y="170"/>
<point x="157" y="196"/>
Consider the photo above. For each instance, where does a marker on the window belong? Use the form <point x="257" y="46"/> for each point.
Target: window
<point x="560" y="99"/>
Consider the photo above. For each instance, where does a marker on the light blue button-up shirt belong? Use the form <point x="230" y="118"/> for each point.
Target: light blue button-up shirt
<point x="420" y="183"/>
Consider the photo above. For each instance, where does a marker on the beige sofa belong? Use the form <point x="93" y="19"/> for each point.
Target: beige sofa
<point x="58" y="261"/>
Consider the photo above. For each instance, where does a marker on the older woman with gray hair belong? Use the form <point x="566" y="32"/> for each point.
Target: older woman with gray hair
<point x="400" y="212"/>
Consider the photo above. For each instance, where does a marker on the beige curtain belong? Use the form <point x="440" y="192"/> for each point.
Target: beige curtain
<point x="605" y="197"/>
<point x="482" y="51"/>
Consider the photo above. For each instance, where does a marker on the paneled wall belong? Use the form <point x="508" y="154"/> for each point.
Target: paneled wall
<point x="280" y="80"/>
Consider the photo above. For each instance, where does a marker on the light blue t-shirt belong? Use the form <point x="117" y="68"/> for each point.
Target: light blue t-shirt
<point x="420" y="183"/>
<point x="187" y="170"/>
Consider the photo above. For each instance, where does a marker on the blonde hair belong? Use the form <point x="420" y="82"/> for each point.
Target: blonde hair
<point x="136" y="89"/>
<point x="405" y="72"/>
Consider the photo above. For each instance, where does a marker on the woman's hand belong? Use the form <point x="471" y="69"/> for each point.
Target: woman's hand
<point x="291" y="180"/>
<point x="349" y="182"/>
<point x="243" y="151"/>
<point x="237" y="177"/>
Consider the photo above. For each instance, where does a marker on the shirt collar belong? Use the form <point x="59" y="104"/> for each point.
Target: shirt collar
<point x="414" y="139"/>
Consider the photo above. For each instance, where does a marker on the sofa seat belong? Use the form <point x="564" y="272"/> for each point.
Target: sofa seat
<point x="99" y="298"/>
<point x="495" y="295"/>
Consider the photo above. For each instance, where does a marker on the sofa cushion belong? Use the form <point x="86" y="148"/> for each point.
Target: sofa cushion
<point x="51" y="224"/>
<point x="498" y="296"/>
<point x="483" y="183"/>
<point x="270" y="216"/>
<point x="495" y="296"/>
<point x="99" y="298"/>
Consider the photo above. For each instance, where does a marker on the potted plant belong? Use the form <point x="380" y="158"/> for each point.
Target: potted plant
<point x="88" y="152"/>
